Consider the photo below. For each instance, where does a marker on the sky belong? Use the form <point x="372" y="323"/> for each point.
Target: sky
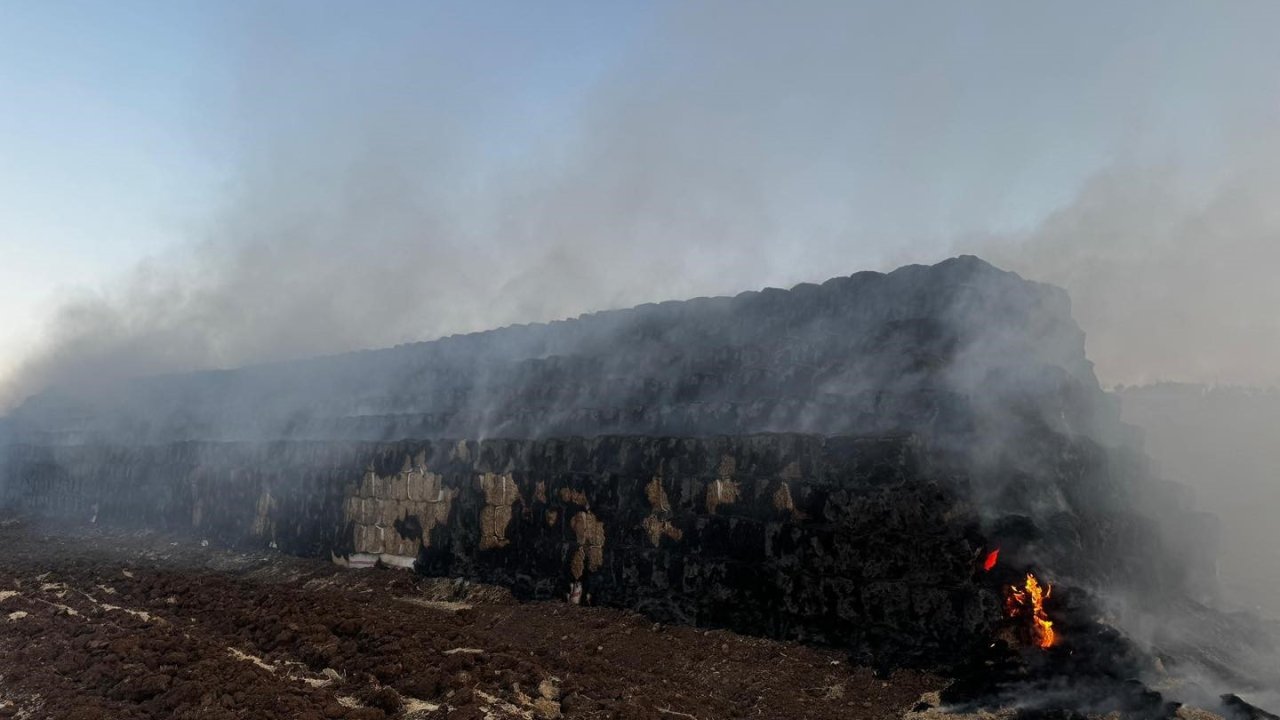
<point x="200" y="184"/>
<point x="123" y="117"/>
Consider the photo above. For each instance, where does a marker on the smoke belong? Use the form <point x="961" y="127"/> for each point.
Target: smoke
<point x="409" y="187"/>
<point x="408" y="174"/>
<point x="1171" y="276"/>
<point x="1171" y="281"/>
<point x="403" y="175"/>
<point x="1220" y="442"/>
<point x="368" y="207"/>
<point x="1169" y="266"/>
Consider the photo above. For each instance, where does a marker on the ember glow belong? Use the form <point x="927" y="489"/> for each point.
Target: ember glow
<point x="1028" y="602"/>
<point x="990" y="562"/>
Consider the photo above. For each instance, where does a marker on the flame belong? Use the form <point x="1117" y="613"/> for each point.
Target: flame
<point x="990" y="562"/>
<point x="1028" y="601"/>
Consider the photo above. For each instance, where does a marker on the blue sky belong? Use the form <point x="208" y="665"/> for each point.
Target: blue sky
<point x="120" y="119"/>
<point x="815" y="138"/>
<point x="119" y="115"/>
<point x="100" y="162"/>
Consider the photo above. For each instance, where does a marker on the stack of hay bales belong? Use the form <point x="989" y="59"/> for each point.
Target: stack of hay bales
<point x="381" y="509"/>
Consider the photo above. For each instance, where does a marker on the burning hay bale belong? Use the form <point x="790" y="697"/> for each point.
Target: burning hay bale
<point x="1027" y="603"/>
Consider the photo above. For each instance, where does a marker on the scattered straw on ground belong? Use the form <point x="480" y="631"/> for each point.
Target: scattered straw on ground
<point x="442" y="605"/>
<point x="240" y="655"/>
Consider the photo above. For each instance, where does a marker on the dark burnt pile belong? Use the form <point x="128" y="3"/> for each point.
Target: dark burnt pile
<point x="834" y="463"/>
<point x="861" y="543"/>
<point x="1094" y="670"/>
<point x="931" y="350"/>
<point x="1057" y="653"/>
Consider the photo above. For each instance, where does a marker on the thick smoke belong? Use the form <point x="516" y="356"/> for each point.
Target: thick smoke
<point x="1171" y="277"/>
<point x="366" y="209"/>
<point x="386" y="193"/>
<point x="1220" y="441"/>
<point x="388" y="182"/>
<point x="1172" y="280"/>
<point x="1170" y="271"/>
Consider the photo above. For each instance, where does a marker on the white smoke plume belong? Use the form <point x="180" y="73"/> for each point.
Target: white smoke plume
<point x="406" y="188"/>
<point x="1171" y="282"/>
<point x="389" y="185"/>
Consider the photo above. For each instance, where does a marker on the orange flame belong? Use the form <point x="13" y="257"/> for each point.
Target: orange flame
<point x="1029" y="602"/>
<point x="990" y="562"/>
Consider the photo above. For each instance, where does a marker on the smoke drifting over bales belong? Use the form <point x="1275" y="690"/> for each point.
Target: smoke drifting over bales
<point x="404" y="186"/>
<point x="1170" y="282"/>
<point x="1173" y="280"/>
<point x="387" y="183"/>
<point x="1221" y="442"/>
<point x="383" y="192"/>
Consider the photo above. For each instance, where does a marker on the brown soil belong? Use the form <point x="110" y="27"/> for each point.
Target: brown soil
<point x="97" y="625"/>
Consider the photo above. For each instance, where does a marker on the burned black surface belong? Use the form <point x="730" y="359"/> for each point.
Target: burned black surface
<point x="1094" y="670"/>
<point x="864" y="543"/>
<point x="862" y="355"/>
<point x="649" y="458"/>
<point x="1091" y="669"/>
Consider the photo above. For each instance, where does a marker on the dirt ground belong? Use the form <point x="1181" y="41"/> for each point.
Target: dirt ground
<point x="101" y="625"/>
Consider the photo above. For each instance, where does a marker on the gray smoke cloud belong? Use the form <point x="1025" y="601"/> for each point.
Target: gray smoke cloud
<point x="397" y="189"/>
<point x="1171" y="276"/>
<point x="1170" y="280"/>
<point x="364" y="211"/>
<point x="388" y="184"/>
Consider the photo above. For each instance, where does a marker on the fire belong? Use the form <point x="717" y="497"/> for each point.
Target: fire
<point x="1028" y="601"/>
<point x="990" y="562"/>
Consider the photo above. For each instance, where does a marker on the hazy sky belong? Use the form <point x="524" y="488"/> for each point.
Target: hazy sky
<point x="205" y="184"/>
